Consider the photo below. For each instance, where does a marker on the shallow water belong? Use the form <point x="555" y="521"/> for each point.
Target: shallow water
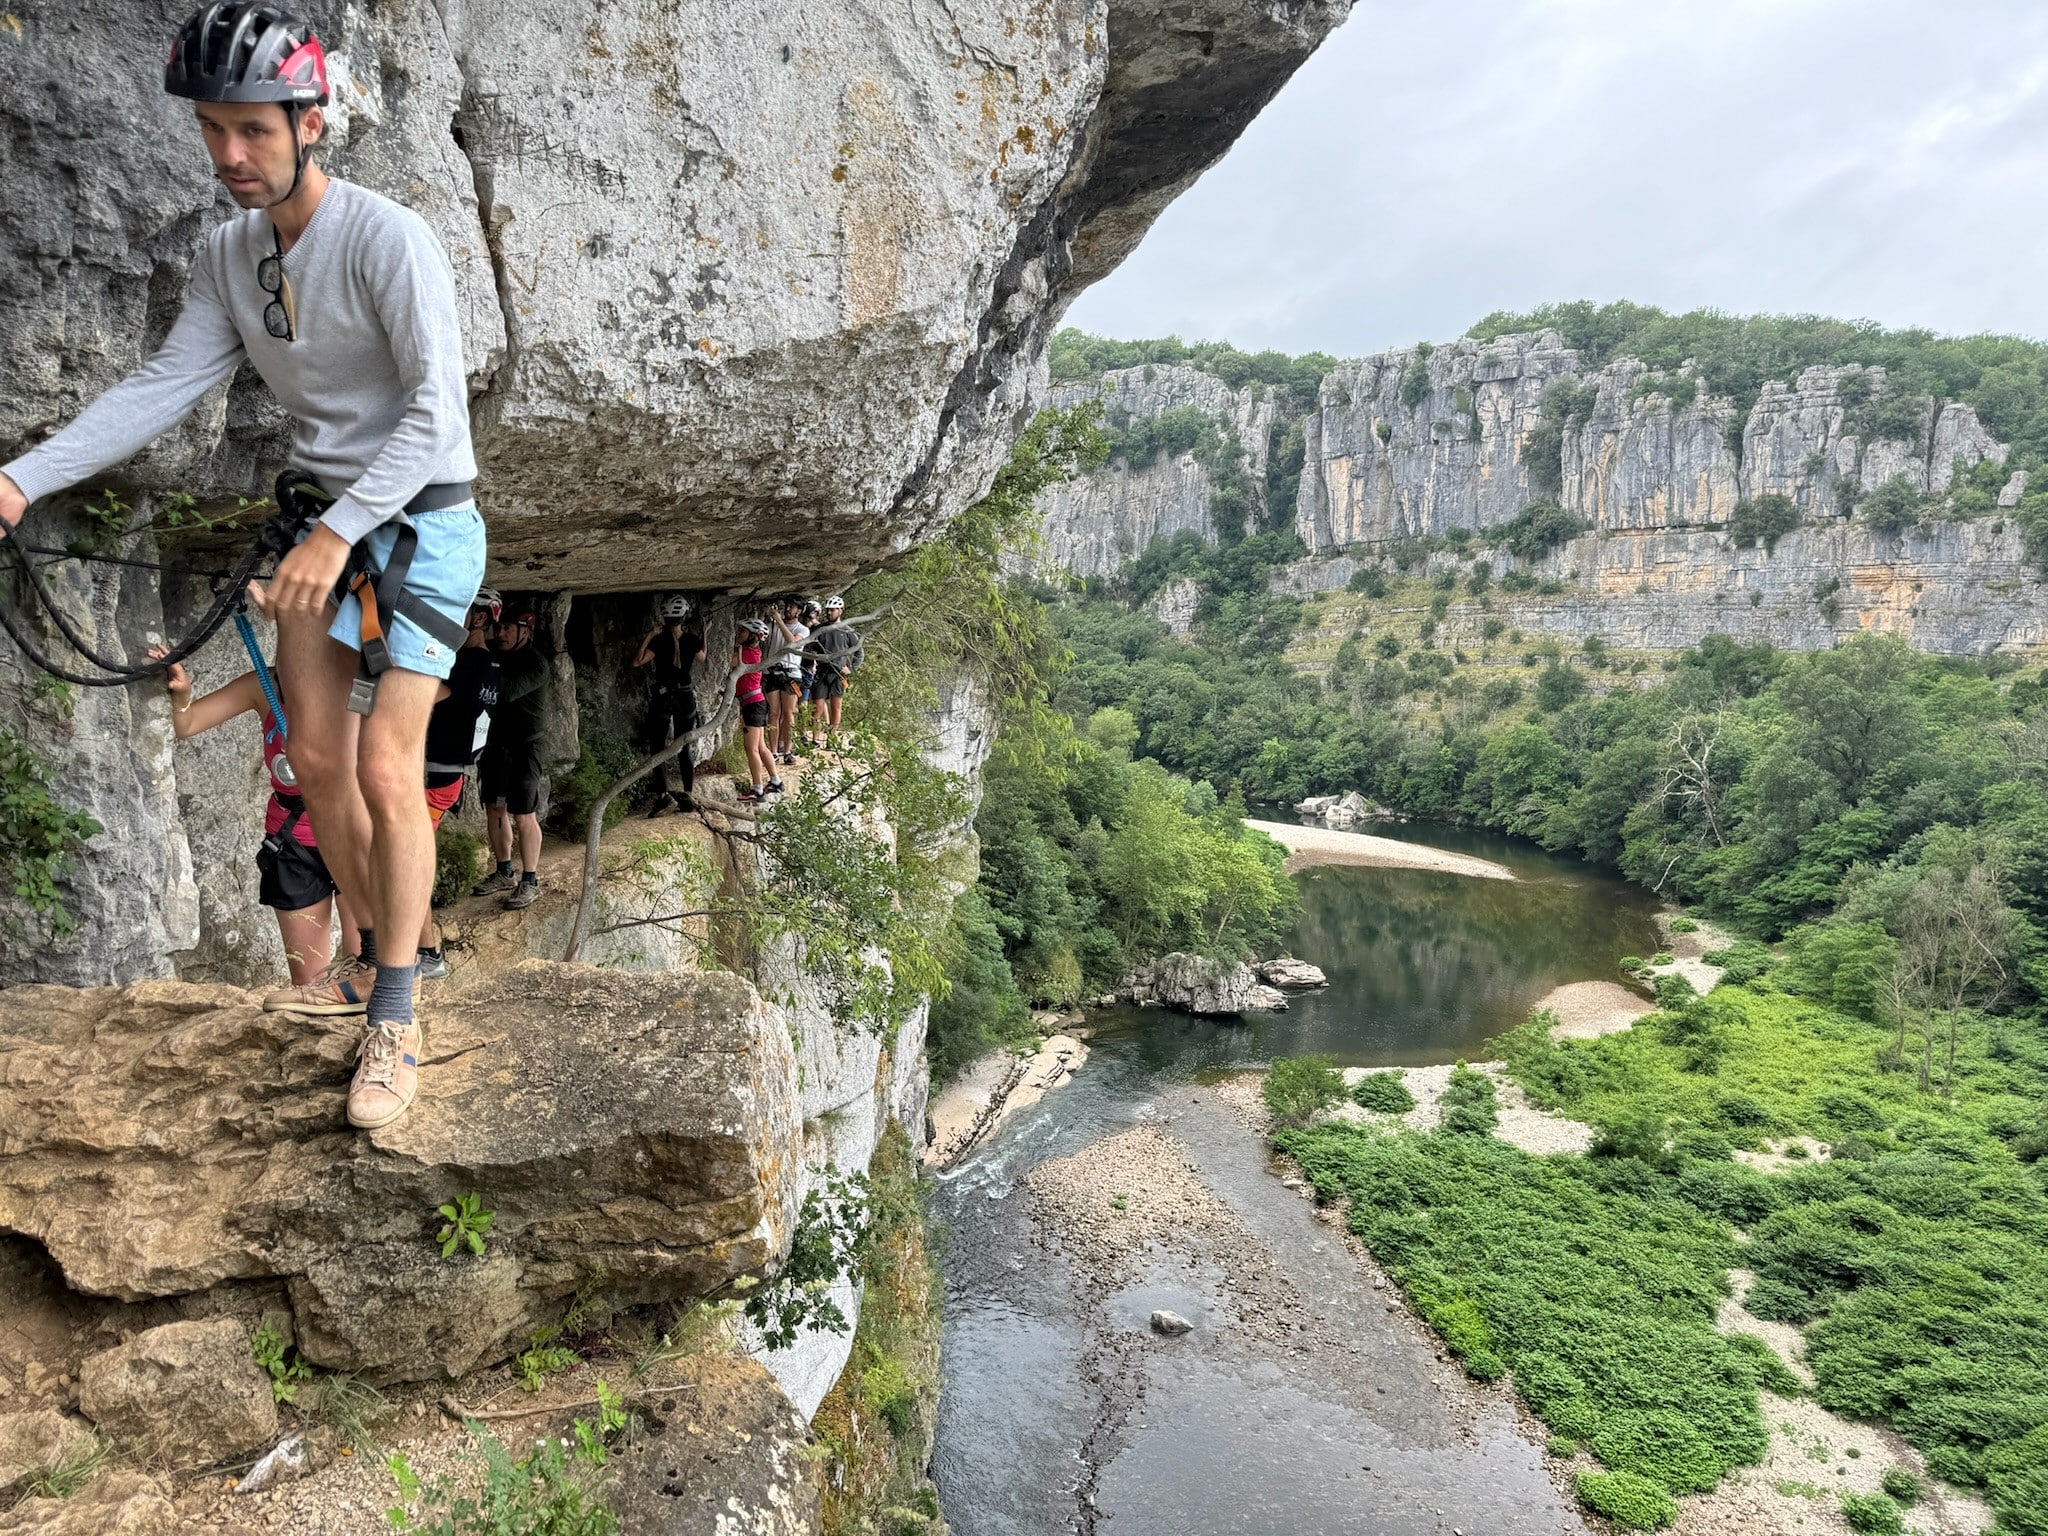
<point x="1423" y="968"/>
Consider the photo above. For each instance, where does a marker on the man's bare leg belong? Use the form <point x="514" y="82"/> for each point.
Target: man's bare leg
<point x="390" y="768"/>
<point x="315" y="673"/>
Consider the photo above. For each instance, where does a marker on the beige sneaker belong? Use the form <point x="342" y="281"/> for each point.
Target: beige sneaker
<point x="387" y="1074"/>
<point x="344" y="987"/>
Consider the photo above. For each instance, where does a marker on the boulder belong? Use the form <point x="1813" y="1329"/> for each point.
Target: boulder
<point x="1356" y="804"/>
<point x="1315" y="805"/>
<point x="1194" y="984"/>
<point x="729" y="1453"/>
<point x="188" y="1393"/>
<point x="639" y="1132"/>
<point x="115" y="1504"/>
<point x="1170" y="1324"/>
<point x="35" y="1439"/>
<point x="1292" y="974"/>
<point x="1264" y="999"/>
<point x="1340" y="816"/>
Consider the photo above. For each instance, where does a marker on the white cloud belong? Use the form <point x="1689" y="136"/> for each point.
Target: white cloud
<point x="1880" y="159"/>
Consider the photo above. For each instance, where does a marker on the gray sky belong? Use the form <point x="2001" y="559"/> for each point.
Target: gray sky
<point x="1873" y="159"/>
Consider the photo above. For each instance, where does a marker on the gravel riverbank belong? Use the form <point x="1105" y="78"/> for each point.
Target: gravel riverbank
<point x="1310" y="846"/>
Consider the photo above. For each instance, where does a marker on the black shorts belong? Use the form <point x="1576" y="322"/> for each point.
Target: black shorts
<point x="291" y="875"/>
<point x="828" y="684"/>
<point x="511" y="778"/>
<point x="755" y="714"/>
<point x="777" y="682"/>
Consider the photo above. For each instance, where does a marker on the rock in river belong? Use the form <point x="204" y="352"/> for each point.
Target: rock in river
<point x="1194" y="984"/>
<point x="1292" y="974"/>
<point x="635" y="1131"/>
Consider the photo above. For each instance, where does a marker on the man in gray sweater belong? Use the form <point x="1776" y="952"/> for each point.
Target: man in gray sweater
<point x="345" y="304"/>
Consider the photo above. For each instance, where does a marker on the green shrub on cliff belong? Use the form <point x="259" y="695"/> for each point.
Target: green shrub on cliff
<point x="38" y="836"/>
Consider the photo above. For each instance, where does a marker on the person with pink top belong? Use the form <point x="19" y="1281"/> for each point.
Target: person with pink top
<point x="753" y="701"/>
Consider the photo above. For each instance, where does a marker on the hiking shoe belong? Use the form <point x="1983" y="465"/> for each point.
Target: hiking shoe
<point x="343" y="988"/>
<point x="497" y="880"/>
<point x="433" y="965"/>
<point x="387" y="1074"/>
<point x="659" y="808"/>
<point x="772" y="787"/>
<point x="524" y="894"/>
<point x="750" y="795"/>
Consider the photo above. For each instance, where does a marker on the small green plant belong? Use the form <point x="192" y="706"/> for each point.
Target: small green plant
<point x="1673" y="991"/>
<point x="534" y="1366"/>
<point x="1630" y="1500"/>
<point x="1383" y="1093"/>
<point x="1872" y="1514"/>
<point x="352" y="1406"/>
<point x="464" y="1225"/>
<point x="283" y="1364"/>
<point x="37" y="838"/>
<point x="1298" y="1086"/>
<point x="1632" y="965"/>
<point x="64" y="1477"/>
<point x="544" y="1493"/>
<point x="887" y="1388"/>
<point x="1119" y="1202"/>
<point x="1470" y="1107"/>
<point x="1561" y="1447"/>
<point x="593" y="1436"/>
<point x="1662" y="957"/>
<point x="830" y="1230"/>
<point x="1683" y="925"/>
<point x="1901" y="1486"/>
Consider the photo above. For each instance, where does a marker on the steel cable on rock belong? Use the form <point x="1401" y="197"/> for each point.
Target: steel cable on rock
<point x="275" y="537"/>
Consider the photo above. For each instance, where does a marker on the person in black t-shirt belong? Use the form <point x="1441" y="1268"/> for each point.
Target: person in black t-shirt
<point x="509" y="774"/>
<point x="672" y="648"/>
<point x="456" y="731"/>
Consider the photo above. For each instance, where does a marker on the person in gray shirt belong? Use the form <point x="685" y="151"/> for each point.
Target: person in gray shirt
<point x="345" y="304"/>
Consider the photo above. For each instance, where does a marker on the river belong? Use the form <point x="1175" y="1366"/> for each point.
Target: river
<point x="1303" y="1401"/>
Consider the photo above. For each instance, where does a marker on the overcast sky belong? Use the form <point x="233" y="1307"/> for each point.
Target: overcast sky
<point x="1879" y="159"/>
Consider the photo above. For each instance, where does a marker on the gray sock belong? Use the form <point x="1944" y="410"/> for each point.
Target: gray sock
<point x="391" y="996"/>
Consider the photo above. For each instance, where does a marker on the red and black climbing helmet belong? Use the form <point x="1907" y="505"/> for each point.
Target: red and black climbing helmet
<point x="235" y="51"/>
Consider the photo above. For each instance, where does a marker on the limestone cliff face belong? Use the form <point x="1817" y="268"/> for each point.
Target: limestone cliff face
<point x="1403" y="446"/>
<point x="752" y="296"/>
<point x="1420" y="442"/>
<point x="1093" y="525"/>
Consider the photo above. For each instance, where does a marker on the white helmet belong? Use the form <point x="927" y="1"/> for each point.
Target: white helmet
<point x="835" y="601"/>
<point x="677" y="607"/>
<point x="754" y="626"/>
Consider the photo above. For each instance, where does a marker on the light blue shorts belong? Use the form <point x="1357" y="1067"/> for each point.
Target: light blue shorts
<point x="447" y="568"/>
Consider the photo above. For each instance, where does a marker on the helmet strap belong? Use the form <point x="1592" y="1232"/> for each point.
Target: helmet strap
<point x="292" y="111"/>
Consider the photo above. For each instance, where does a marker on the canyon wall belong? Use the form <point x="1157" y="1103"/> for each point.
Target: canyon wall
<point x="753" y="299"/>
<point x="1423" y="443"/>
<point x="1092" y="526"/>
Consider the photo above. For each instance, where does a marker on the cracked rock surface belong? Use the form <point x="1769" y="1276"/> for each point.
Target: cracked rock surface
<point x="753" y="295"/>
<point x="633" y="1133"/>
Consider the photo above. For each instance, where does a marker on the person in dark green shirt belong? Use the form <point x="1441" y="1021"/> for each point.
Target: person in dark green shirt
<point x="509" y="775"/>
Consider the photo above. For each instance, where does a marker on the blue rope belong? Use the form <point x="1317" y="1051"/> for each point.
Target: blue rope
<point x="262" y="667"/>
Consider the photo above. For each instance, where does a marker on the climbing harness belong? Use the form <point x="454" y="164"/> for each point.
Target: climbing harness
<point x="381" y="596"/>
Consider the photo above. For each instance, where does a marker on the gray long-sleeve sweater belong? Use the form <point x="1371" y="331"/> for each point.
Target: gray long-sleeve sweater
<point x="374" y="382"/>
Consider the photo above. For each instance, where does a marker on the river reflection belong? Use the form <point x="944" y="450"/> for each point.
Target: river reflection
<point x="1426" y="967"/>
